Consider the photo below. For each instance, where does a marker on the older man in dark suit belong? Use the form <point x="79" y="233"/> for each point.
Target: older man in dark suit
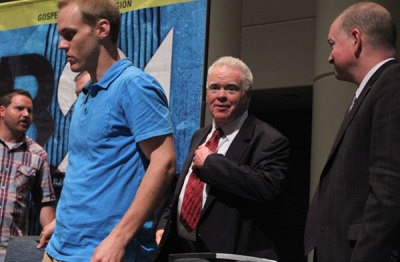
<point x="224" y="195"/>
<point x="358" y="197"/>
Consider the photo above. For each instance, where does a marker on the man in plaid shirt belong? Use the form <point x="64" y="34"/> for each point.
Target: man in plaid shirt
<point x="24" y="169"/>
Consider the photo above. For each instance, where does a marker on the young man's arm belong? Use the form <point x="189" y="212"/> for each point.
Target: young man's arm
<point x="160" y="151"/>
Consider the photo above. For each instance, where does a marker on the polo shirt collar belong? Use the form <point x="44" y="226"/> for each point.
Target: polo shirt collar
<point x="108" y="78"/>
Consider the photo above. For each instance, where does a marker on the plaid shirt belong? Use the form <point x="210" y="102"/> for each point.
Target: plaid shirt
<point x="23" y="169"/>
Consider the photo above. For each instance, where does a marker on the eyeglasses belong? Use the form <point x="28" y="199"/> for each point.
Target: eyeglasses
<point x="229" y="89"/>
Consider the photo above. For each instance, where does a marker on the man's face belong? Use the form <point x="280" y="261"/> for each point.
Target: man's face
<point x="342" y="54"/>
<point x="17" y="116"/>
<point x="225" y="97"/>
<point x="78" y="40"/>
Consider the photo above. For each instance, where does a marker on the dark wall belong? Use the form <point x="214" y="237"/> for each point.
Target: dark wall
<point x="295" y="124"/>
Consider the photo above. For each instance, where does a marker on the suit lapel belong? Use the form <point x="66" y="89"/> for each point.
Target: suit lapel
<point x="350" y="116"/>
<point x="241" y="141"/>
<point x="235" y="152"/>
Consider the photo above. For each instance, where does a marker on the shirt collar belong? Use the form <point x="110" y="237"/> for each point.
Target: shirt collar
<point x="17" y="145"/>
<point x="112" y="73"/>
<point x="369" y="75"/>
<point x="230" y="130"/>
<point x="85" y="88"/>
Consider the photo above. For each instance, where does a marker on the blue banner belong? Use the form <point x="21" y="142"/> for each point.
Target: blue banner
<point x="167" y="41"/>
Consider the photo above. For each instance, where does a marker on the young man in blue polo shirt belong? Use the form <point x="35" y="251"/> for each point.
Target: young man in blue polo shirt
<point x="121" y="147"/>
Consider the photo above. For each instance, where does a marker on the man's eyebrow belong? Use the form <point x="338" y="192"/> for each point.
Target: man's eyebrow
<point x="66" y="30"/>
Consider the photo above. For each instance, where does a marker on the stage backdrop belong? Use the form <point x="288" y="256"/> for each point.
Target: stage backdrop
<point x="163" y="37"/>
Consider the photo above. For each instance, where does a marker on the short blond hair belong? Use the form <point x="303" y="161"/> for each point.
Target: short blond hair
<point x="93" y="10"/>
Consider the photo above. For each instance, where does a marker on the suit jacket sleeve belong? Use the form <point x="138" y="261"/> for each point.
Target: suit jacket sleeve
<point x="259" y="170"/>
<point x="380" y="227"/>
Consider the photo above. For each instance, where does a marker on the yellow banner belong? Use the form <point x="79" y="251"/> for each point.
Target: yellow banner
<point x="26" y="13"/>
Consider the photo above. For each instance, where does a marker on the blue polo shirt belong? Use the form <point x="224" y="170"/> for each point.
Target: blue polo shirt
<point x="106" y="165"/>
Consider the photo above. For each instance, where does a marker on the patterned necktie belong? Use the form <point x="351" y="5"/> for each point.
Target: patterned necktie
<point x="193" y="198"/>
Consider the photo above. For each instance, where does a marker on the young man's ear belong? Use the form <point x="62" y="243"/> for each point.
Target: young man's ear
<point x="103" y="28"/>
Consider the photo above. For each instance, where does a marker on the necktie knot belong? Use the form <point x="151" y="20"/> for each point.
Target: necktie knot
<point x="212" y="143"/>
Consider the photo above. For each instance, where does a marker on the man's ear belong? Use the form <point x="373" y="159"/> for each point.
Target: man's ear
<point x="248" y="92"/>
<point x="357" y="44"/>
<point x="103" y="28"/>
<point x="2" y="111"/>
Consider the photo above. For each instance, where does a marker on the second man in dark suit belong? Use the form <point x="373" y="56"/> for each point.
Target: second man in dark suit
<point x="358" y="215"/>
<point x="232" y="174"/>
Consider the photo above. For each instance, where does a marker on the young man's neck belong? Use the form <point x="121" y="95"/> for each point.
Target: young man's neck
<point x="107" y="58"/>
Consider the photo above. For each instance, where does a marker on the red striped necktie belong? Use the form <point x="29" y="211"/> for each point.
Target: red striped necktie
<point x="193" y="198"/>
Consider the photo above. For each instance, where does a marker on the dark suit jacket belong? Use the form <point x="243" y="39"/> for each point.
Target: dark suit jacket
<point x="359" y="190"/>
<point x="238" y="216"/>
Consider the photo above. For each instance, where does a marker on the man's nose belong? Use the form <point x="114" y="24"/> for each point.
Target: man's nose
<point x="63" y="44"/>
<point x="330" y="59"/>
<point x="26" y="112"/>
<point x="221" y="92"/>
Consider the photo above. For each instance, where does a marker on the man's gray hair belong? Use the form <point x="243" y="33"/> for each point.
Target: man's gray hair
<point x="233" y="62"/>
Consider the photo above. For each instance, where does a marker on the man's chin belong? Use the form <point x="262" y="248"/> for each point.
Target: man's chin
<point x="221" y="121"/>
<point x="23" y="129"/>
<point x="341" y="77"/>
<point x="75" y="68"/>
<point x="338" y="76"/>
